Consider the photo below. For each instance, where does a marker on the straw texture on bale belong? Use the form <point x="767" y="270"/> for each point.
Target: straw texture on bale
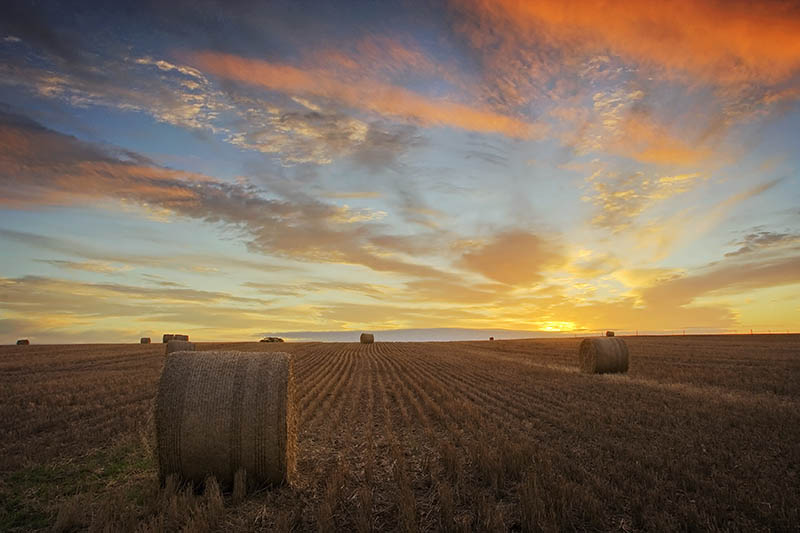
<point x="367" y="338"/>
<point x="221" y="412"/>
<point x="609" y="333"/>
<point x="178" y="337"/>
<point x="167" y="337"/>
<point x="145" y="340"/>
<point x="180" y="346"/>
<point x="23" y="342"/>
<point x="599" y="355"/>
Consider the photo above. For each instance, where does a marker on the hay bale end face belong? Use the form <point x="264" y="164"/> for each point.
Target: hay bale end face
<point x="180" y="346"/>
<point x="600" y="355"/>
<point x="367" y="338"/>
<point x="23" y="342"/>
<point x="144" y="340"/>
<point x="221" y="412"/>
<point x="609" y="333"/>
<point x="167" y="337"/>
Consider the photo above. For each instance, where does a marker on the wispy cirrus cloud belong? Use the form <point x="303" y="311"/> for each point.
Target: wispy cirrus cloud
<point x="620" y="199"/>
<point x="372" y="96"/>
<point x="98" y="267"/>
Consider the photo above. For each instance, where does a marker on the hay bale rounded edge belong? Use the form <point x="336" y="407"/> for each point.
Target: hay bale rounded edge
<point x="180" y="346"/>
<point x="600" y="355"/>
<point x="367" y="338"/>
<point x="221" y="412"/>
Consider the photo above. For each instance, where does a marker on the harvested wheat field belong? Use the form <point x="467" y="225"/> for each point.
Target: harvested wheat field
<point x="701" y="433"/>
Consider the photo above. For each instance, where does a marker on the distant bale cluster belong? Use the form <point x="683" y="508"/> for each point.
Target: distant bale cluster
<point x="271" y="339"/>
<point x="144" y="340"/>
<point x="600" y="355"/>
<point x="222" y="412"/>
<point x="367" y="338"/>
<point x="174" y="337"/>
<point x="180" y="346"/>
<point x="23" y="342"/>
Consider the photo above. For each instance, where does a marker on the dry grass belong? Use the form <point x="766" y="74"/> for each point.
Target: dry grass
<point x="701" y="434"/>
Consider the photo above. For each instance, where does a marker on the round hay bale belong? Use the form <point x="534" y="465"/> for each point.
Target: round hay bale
<point x="491" y="338"/>
<point x="180" y="346"/>
<point x="367" y="338"/>
<point x="167" y="337"/>
<point x="144" y="340"/>
<point x="23" y="342"/>
<point x="221" y="412"/>
<point x="599" y="355"/>
<point x="609" y="333"/>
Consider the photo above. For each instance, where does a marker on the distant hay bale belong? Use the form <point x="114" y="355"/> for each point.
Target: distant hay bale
<point x="180" y="346"/>
<point x="367" y="338"/>
<point x="599" y="355"/>
<point x="491" y="338"/>
<point x="221" y="412"/>
<point x="144" y="340"/>
<point x="177" y="337"/>
<point x="167" y="337"/>
<point x="609" y="333"/>
<point x="23" y="342"/>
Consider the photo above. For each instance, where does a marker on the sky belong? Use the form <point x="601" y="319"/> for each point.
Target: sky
<point x="231" y="169"/>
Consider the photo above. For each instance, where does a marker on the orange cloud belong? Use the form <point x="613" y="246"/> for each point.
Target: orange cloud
<point x="513" y="257"/>
<point x="368" y="95"/>
<point x="718" y="41"/>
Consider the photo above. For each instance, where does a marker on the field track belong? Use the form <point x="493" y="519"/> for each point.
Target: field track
<point x="702" y="433"/>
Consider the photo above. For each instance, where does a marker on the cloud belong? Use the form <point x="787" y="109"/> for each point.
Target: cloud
<point x="195" y="262"/>
<point x="514" y="257"/>
<point x="98" y="267"/>
<point x="622" y="198"/>
<point x="46" y="309"/>
<point x="299" y="289"/>
<point x="372" y="96"/>
<point x="729" y="277"/>
<point x="172" y="94"/>
<point x="39" y="166"/>
<point x="316" y="135"/>
<point x="718" y="42"/>
<point x="761" y="240"/>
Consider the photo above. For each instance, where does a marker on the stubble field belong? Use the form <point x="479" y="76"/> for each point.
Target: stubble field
<point x="703" y="433"/>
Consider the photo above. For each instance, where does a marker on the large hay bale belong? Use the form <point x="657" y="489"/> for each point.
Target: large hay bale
<point x="144" y="340"/>
<point x="367" y="338"/>
<point x="23" y="342"/>
<point x="599" y="355"/>
<point x="609" y="333"/>
<point x="178" y="337"/>
<point x="221" y="412"/>
<point x="167" y="337"/>
<point x="180" y="346"/>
